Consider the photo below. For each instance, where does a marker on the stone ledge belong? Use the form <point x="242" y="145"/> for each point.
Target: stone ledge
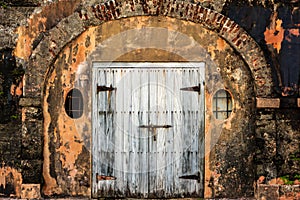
<point x="284" y="102"/>
<point x="30" y="102"/>
<point x="267" y="102"/>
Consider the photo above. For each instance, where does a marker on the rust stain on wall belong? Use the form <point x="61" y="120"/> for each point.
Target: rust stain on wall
<point x="207" y="172"/>
<point x="50" y="185"/>
<point x="275" y="34"/>
<point x="70" y="147"/>
<point x="16" y="89"/>
<point x="69" y="133"/>
<point x="70" y="143"/>
<point x="221" y="44"/>
<point x="72" y="135"/>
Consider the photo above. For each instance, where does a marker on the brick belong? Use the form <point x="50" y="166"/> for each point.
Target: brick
<point x="267" y="102"/>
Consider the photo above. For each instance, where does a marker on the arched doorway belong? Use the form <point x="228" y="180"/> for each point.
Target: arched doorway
<point x="229" y="65"/>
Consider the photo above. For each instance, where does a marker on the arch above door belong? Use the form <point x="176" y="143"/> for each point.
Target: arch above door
<point x="94" y="15"/>
<point x="61" y="53"/>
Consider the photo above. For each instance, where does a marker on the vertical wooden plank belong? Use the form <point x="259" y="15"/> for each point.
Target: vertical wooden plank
<point x="94" y="135"/>
<point x="169" y="137"/>
<point x="152" y="140"/>
<point x="143" y="133"/>
<point x="179" y="136"/>
<point x="201" y="140"/>
<point x="135" y="95"/>
<point x="119" y="187"/>
<point x="101" y="124"/>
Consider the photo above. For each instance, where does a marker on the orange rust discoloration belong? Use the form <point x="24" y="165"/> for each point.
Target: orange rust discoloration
<point x="69" y="134"/>
<point x="17" y="179"/>
<point x="275" y="34"/>
<point x="105" y="178"/>
<point x="207" y="171"/>
<point x="16" y="90"/>
<point x="221" y="44"/>
<point x="50" y="185"/>
<point x="69" y="131"/>
<point x="211" y="50"/>
<point x="70" y="148"/>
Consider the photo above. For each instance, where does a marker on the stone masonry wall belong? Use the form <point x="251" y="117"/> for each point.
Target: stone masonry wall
<point x="277" y="139"/>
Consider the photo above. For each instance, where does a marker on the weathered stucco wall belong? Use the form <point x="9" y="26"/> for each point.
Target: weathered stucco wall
<point x="68" y="168"/>
<point x="55" y="42"/>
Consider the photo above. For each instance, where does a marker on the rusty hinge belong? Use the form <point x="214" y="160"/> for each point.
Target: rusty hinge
<point x="153" y="128"/>
<point x="104" y="178"/>
<point x="103" y="88"/>
<point x="193" y="89"/>
<point x="192" y="177"/>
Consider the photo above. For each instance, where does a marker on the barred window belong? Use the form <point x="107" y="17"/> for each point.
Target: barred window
<point x="74" y="104"/>
<point x="222" y="104"/>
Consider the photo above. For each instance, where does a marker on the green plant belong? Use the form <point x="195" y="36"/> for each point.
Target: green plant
<point x="289" y="179"/>
<point x="286" y="179"/>
<point x="14" y="116"/>
<point x="3" y="4"/>
<point x="297" y="176"/>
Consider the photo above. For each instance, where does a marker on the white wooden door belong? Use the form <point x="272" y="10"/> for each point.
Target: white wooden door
<point x="148" y="130"/>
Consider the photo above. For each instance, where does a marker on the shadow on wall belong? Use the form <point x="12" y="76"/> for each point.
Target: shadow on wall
<point x="275" y="28"/>
<point x="10" y="87"/>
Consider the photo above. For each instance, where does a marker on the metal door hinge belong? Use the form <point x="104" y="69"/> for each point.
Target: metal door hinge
<point x="104" y="178"/>
<point x="192" y="177"/>
<point x="103" y="88"/>
<point x="155" y="126"/>
<point x="196" y="88"/>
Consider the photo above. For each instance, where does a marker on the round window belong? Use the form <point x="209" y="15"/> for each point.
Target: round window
<point x="74" y="104"/>
<point x="222" y="104"/>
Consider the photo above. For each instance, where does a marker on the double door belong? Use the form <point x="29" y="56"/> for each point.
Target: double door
<point x="148" y="130"/>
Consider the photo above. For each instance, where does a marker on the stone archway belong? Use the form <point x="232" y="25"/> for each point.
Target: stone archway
<point x="122" y="40"/>
<point x="72" y="26"/>
<point x="80" y="23"/>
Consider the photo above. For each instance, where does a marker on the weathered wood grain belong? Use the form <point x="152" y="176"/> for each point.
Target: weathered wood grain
<point x="147" y="132"/>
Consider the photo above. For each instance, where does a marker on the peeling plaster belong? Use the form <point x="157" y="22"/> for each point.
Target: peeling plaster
<point x="50" y="185"/>
<point x="274" y="35"/>
<point x="6" y="172"/>
<point x="70" y="148"/>
<point x="105" y="43"/>
<point x="39" y="22"/>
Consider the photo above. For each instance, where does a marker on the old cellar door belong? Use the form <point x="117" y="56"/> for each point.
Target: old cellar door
<point x="148" y="130"/>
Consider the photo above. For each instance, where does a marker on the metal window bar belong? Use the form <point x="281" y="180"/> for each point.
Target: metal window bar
<point x="217" y="111"/>
<point x="74" y="108"/>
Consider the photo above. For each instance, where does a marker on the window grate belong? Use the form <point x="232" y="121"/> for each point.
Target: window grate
<point x="222" y="104"/>
<point x="74" y="104"/>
